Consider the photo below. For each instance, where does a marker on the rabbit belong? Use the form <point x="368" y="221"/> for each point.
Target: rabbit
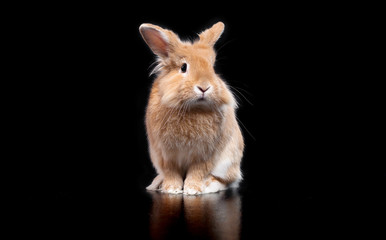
<point x="195" y="142"/>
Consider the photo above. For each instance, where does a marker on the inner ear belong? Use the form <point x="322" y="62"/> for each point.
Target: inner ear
<point x="155" y="39"/>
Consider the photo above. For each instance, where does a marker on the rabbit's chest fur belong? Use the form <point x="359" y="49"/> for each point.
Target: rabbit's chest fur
<point x="199" y="130"/>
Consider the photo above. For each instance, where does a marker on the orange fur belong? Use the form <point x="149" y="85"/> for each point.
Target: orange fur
<point x="195" y="142"/>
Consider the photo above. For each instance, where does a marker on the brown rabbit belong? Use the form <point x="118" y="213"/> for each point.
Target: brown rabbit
<point x="195" y="142"/>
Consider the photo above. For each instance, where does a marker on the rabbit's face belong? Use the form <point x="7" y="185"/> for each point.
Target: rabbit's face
<point x="186" y="70"/>
<point x="190" y="78"/>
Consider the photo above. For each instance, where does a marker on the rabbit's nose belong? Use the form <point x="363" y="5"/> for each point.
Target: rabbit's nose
<point x="202" y="89"/>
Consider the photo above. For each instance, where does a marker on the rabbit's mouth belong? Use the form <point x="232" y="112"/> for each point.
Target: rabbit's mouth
<point x="203" y="102"/>
<point x="202" y="98"/>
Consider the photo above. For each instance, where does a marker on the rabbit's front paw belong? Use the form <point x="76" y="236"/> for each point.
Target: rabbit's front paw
<point x="193" y="187"/>
<point x="171" y="186"/>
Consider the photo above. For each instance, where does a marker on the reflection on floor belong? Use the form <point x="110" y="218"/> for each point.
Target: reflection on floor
<point x="209" y="216"/>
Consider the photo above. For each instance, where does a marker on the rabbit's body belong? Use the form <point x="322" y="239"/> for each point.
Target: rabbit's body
<point x="195" y="142"/>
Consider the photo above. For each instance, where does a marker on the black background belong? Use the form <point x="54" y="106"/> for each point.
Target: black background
<point x="87" y="88"/>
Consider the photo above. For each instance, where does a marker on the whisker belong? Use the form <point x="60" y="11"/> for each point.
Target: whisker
<point x="223" y="45"/>
<point x="186" y="106"/>
<point x="164" y="117"/>
<point x="216" y="108"/>
<point x="156" y="66"/>
<point x="250" y="94"/>
<point x="250" y="134"/>
<point x="170" y="114"/>
<point x="179" y="110"/>
<point x="242" y="95"/>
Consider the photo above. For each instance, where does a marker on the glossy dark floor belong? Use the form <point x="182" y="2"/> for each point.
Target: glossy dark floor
<point x="213" y="216"/>
<point x="112" y="208"/>
<point x="115" y="210"/>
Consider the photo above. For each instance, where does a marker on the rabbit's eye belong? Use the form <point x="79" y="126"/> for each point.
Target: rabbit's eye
<point x="184" y="67"/>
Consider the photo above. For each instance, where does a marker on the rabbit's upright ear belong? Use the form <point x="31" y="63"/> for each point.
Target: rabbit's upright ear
<point x="160" y="41"/>
<point x="211" y="35"/>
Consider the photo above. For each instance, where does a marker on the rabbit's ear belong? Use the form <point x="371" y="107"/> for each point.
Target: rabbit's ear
<point x="211" y="35"/>
<point x="159" y="40"/>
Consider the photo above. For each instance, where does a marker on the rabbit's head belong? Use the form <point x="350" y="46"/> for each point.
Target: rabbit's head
<point x="185" y="69"/>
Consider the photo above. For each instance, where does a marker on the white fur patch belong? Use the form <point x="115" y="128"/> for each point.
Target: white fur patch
<point x="221" y="169"/>
<point x="214" y="186"/>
